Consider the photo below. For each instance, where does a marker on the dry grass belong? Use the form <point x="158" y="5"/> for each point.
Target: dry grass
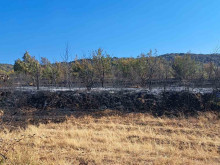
<point x="116" y="139"/>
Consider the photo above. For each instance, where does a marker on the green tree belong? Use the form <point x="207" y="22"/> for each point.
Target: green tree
<point x="46" y="68"/>
<point x="85" y="71"/>
<point x="123" y="69"/>
<point x="102" y="65"/>
<point x="141" y="69"/>
<point x="30" y="67"/>
<point x="164" y="71"/>
<point x="50" y="72"/>
<point x="56" y="72"/>
<point x="146" y="68"/>
<point x="184" y="67"/>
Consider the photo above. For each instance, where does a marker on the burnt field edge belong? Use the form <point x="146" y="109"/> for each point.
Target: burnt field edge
<point x="165" y="103"/>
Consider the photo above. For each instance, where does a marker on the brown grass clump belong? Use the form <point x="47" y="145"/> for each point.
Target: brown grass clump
<point x="115" y="139"/>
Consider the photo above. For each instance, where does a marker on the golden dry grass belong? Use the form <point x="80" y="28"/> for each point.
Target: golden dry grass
<point x="116" y="139"/>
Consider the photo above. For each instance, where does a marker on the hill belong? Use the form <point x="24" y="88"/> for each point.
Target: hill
<point x="6" y="67"/>
<point x="203" y="58"/>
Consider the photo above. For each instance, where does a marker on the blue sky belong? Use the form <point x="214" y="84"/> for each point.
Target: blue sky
<point x="123" y="28"/>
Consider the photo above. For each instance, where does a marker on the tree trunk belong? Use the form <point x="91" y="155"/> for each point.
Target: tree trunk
<point x="38" y="78"/>
<point x="38" y="82"/>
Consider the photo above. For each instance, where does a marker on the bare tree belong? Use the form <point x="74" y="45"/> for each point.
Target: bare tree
<point x="152" y="67"/>
<point x="67" y="66"/>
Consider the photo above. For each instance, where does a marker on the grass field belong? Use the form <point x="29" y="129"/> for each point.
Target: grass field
<point x="108" y="137"/>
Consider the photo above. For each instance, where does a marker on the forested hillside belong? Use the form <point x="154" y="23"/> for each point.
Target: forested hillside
<point x="203" y="58"/>
<point x="6" y="68"/>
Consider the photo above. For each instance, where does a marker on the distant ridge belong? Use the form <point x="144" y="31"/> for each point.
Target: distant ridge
<point x="6" y="67"/>
<point x="203" y="58"/>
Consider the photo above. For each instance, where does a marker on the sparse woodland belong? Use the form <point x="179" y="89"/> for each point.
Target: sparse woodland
<point x="102" y="70"/>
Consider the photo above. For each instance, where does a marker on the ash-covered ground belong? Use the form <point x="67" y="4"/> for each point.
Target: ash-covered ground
<point x="154" y="90"/>
<point x="157" y="101"/>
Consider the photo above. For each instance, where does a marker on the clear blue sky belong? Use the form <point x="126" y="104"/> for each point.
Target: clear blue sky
<point x="123" y="28"/>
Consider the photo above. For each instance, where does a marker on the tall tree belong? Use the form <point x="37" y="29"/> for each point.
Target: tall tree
<point x="85" y="71"/>
<point x="102" y="65"/>
<point x="184" y="67"/>
<point x="146" y="68"/>
<point x="29" y="66"/>
<point x="164" y="72"/>
<point x="123" y="69"/>
<point x="67" y="66"/>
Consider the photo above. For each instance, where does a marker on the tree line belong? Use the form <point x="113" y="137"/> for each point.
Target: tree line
<point x="103" y="69"/>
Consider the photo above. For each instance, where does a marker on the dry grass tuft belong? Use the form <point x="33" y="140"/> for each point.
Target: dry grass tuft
<point x="115" y="139"/>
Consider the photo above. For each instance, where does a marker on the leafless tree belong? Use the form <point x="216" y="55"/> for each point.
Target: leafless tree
<point x="67" y="66"/>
